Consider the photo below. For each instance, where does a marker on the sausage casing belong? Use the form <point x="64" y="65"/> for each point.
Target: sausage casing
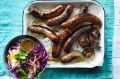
<point x="79" y="19"/>
<point x="71" y="56"/>
<point x="35" y="12"/>
<point x="83" y="16"/>
<point x="63" y="36"/>
<point x="56" y="49"/>
<point x="45" y="31"/>
<point x="68" y="44"/>
<point x="61" y="18"/>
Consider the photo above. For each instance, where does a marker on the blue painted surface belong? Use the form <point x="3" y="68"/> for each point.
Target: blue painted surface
<point x="11" y="26"/>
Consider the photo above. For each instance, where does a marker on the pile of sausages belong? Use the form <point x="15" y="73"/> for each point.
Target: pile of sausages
<point x="83" y="27"/>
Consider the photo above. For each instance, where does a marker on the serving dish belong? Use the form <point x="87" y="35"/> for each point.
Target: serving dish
<point x="94" y="8"/>
<point x="25" y="57"/>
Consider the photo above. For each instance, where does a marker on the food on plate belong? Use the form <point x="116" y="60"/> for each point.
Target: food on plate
<point x="81" y="25"/>
<point x="88" y="52"/>
<point x="35" y="12"/>
<point x="83" y="28"/>
<point x="61" y="18"/>
<point x="63" y="36"/>
<point x="71" y="56"/>
<point x="56" y="50"/>
<point x="26" y="63"/>
<point x="45" y="31"/>
<point x="83" y="16"/>
<point x="95" y="32"/>
<point x="90" y="39"/>
<point x="84" y="41"/>
<point x="83" y="9"/>
<point x="94" y="37"/>
<point x="68" y="44"/>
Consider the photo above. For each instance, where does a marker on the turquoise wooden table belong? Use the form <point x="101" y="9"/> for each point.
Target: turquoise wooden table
<point x="11" y="26"/>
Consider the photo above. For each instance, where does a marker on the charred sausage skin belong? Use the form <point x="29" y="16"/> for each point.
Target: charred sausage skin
<point x="61" y="18"/>
<point x="45" y="31"/>
<point x="56" y="49"/>
<point x="71" y="56"/>
<point x="63" y="36"/>
<point x="35" y="12"/>
<point x="68" y="44"/>
<point x="83" y="16"/>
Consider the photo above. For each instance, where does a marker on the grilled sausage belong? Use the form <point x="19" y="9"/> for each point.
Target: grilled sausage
<point x="61" y="18"/>
<point x="56" y="49"/>
<point x="83" y="9"/>
<point x="63" y="36"/>
<point x="81" y="25"/>
<point x="35" y="12"/>
<point x="57" y="46"/>
<point x="71" y="56"/>
<point x="81" y="17"/>
<point x="45" y="31"/>
<point x="68" y="44"/>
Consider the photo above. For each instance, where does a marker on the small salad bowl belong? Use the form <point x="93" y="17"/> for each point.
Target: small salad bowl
<point x="25" y="57"/>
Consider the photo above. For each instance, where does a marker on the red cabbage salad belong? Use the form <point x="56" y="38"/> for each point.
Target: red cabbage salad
<point x="26" y="64"/>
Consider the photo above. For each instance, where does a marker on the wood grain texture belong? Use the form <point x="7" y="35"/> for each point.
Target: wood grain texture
<point x="116" y="68"/>
<point x="116" y="41"/>
<point x="116" y="38"/>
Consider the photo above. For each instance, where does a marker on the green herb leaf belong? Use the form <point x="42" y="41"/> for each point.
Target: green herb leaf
<point x="37" y="72"/>
<point x="23" y="77"/>
<point x="22" y="54"/>
<point x="22" y="73"/>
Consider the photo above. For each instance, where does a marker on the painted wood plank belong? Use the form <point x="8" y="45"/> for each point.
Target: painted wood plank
<point x="116" y="68"/>
<point x="116" y="38"/>
<point x="117" y="12"/>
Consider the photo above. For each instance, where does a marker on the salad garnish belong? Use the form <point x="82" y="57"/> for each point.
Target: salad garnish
<point x="24" y="64"/>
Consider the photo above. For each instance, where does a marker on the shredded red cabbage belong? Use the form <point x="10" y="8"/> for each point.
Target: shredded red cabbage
<point x="38" y="53"/>
<point x="37" y="56"/>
